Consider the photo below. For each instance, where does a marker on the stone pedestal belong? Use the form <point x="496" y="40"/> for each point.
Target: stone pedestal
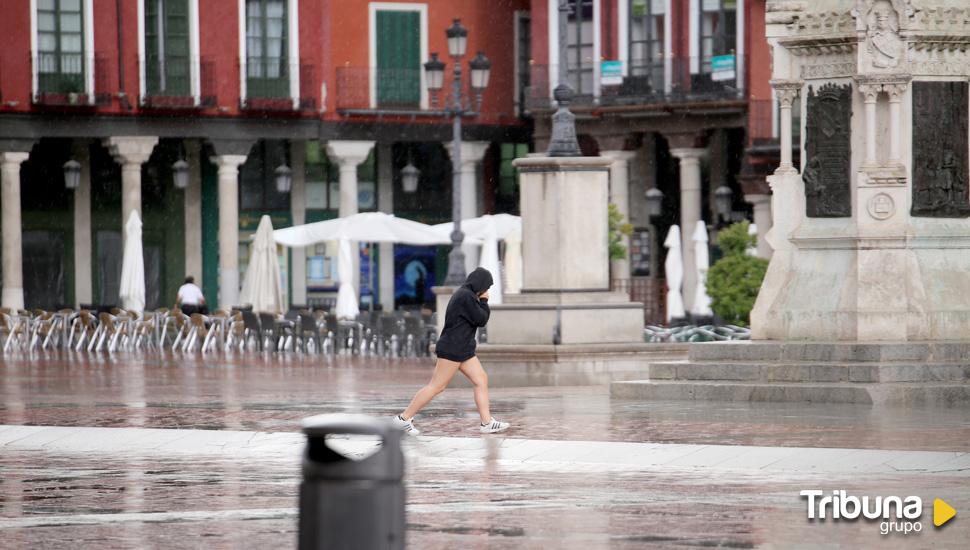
<point x="565" y="296"/>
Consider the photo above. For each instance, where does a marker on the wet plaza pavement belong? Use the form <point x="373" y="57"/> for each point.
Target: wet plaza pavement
<point x="561" y="477"/>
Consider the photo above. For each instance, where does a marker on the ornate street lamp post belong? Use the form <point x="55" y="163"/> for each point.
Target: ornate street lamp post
<point x="480" y="68"/>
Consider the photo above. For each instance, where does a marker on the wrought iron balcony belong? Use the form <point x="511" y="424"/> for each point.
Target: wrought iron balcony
<point x="372" y="89"/>
<point x="691" y="80"/>
<point x="62" y="82"/>
<point x="168" y="83"/>
<point x="268" y="85"/>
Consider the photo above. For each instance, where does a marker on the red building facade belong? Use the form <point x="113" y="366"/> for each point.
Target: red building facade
<point x="333" y="90"/>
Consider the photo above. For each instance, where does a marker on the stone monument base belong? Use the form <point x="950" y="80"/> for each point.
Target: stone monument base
<point x="891" y="373"/>
<point x="548" y="318"/>
<point x="571" y="364"/>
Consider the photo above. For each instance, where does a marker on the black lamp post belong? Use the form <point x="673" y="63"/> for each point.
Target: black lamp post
<point x="180" y="174"/>
<point x="480" y="67"/>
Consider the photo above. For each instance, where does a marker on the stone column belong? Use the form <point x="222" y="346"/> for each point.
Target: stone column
<point x="385" y="203"/>
<point x="786" y="91"/>
<point x="871" y="93"/>
<point x="298" y="213"/>
<point x="895" y="91"/>
<point x="193" y="211"/>
<point x="130" y="152"/>
<point x="228" y="227"/>
<point x="620" y="196"/>
<point x="349" y="155"/>
<point x="472" y="153"/>
<point x="690" y="213"/>
<point x="13" y="274"/>
<point x="83" y="252"/>
<point x="762" y="218"/>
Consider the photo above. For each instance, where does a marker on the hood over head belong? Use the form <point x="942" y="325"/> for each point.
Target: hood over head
<point x="479" y="280"/>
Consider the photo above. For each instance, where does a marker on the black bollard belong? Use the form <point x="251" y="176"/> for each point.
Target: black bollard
<point x="347" y="503"/>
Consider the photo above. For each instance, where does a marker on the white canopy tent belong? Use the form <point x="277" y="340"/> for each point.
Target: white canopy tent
<point x="674" y="269"/>
<point x="364" y="227"/>
<point x="132" y="290"/>
<point x="262" y="287"/>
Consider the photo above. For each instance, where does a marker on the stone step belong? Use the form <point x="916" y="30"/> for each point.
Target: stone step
<point x="938" y="352"/>
<point x="808" y="371"/>
<point x="937" y="394"/>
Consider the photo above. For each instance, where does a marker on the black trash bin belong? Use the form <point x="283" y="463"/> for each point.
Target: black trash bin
<point x="347" y="503"/>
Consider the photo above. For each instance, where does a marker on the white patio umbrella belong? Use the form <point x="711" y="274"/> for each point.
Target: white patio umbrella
<point x="373" y="227"/>
<point x="674" y="269"/>
<point x="702" y="302"/>
<point x="489" y="260"/>
<point x="262" y="285"/>
<point x="513" y="262"/>
<point x="347" y="307"/>
<point x="132" y="290"/>
<point x="480" y="227"/>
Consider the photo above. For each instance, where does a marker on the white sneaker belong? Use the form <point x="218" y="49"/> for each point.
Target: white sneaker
<point x="406" y="426"/>
<point x="494" y="427"/>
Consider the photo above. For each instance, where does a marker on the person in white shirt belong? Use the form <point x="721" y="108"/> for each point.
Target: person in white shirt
<point x="190" y="299"/>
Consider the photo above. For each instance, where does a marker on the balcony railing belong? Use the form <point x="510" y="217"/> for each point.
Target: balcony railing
<point x="173" y="90"/>
<point x="647" y="87"/>
<point x="364" y="88"/>
<point x="268" y="85"/>
<point x="61" y="79"/>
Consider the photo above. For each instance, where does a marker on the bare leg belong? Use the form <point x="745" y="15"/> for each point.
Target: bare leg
<point x="472" y="369"/>
<point x="444" y="371"/>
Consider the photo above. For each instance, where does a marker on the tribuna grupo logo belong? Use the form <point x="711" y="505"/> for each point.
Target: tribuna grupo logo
<point x="895" y="514"/>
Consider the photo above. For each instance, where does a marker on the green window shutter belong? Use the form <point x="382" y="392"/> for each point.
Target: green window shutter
<point x="178" y="62"/>
<point x="398" y="58"/>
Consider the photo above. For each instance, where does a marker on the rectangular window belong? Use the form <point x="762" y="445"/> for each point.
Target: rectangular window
<point x="647" y="41"/>
<point x="60" y="46"/>
<point x="718" y="30"/>
<point x="167" y="60"/>
<point x="579" y="47"/>
<point x="398" y="58"/>
<point x="267" y="66"/>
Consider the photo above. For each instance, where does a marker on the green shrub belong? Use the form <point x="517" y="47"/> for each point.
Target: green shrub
<point x="617" y="230"/>
<point x="733" y="281"/>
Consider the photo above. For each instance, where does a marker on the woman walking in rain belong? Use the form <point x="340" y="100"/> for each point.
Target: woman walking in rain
<point x="467" y="311"/>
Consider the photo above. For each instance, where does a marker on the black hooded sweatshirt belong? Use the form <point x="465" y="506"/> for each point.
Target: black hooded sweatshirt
<point x="465" y="314"/>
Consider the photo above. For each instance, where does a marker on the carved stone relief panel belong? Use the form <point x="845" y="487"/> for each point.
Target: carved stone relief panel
<point x="940" y="185"/>
<point x="827" y="174"/>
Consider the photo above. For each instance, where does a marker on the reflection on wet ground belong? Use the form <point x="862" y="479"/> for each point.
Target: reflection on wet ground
<point x="273" y="393"/>
<point x="79" y="500"/>
<point x="63" y="502"/>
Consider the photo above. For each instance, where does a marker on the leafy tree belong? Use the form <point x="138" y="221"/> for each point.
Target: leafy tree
<point x="733" y="281"/>
<point x="617" y="230"/>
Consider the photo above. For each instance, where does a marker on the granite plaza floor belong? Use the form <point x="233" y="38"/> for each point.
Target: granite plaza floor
<point x="176" y="452"/>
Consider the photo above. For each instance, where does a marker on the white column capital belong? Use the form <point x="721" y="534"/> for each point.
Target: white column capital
<point x="786" y="91"/>
<point x="349" y="154"/>
<point x="131" y="149"/>
<point x="471" y="151"/>
<point x="688" y="154"/>
<point x="624" y="156"/>
<point x="17" y="158"/>
<point x="225" y="162"/>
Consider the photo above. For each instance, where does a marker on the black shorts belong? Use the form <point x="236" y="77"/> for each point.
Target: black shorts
<point x="454" y="358"/>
